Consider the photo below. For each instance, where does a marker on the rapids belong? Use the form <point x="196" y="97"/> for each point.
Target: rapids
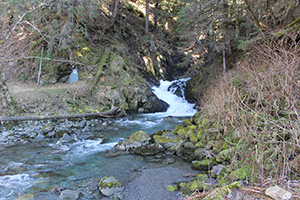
<point x="38" y="167"/>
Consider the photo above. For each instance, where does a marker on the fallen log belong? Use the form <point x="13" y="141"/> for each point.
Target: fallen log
<point x="112" y="113"/>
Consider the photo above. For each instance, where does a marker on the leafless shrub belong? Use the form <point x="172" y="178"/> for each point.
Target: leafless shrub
<point x="260" y="101"/>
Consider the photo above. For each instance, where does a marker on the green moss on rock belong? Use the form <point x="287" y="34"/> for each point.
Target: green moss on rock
<point x="242" y="173"/>
<point x="204" y="164"/>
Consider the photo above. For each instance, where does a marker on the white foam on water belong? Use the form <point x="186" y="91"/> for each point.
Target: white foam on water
<point x="143" y="122"/>
<point x="15" y="183"/>
<point x="179" y="106"/>
<point x="88" y="147"/>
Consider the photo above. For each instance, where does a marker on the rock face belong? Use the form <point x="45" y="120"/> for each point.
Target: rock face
<point x="278" y="193"/>
<point x="109" y="186"/>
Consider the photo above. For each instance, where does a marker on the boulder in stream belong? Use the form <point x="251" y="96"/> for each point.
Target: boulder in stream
<point x="109" y="186"/>
<point x="139" y="138"/>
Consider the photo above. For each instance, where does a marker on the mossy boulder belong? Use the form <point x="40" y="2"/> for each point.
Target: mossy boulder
<point x="205" y="164"/>
<point x="199" y="183"/>
<point x="110" y="185"/>
<point x="148" y="150"/>
<point x="224" y="192"/>
<point x="48" y="128"/>
<point x="139" y="138"/>
<point x="188" y="188"/>
<point x="186" y="122"/>
<point x="168" y="140"/>
<point x="242" y="173"/>
<point x="226" y="154"/>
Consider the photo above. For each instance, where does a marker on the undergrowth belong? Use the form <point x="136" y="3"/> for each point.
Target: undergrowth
<point x="258" y="102"/>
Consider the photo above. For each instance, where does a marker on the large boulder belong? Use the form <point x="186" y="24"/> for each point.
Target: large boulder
<point x="153" y="104"/>
<point x="110" y="185"/>
<point x="148" y="150"/>
<point x="169" y="140"/>
<point x="138" y="139"/>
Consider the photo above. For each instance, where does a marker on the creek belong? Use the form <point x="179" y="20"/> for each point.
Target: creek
<point x="36" y="165"/>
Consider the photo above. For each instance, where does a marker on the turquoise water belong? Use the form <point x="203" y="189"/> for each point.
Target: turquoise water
<point x="40" y="167"/>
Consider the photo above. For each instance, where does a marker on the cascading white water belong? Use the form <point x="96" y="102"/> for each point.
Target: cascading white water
<point x="179" y="106"/>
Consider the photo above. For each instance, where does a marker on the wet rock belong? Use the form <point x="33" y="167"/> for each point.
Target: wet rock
<point x="150" y="149"/>
<point x="48" y="128"/>
<point x="138" y="139"/>
<point x="169" y="161"/>
<point x="60" y="133"/>
<point x="110" y="185"/>
<point x="26" y="197"/>
<point x="153" y="104"/>
<point x="66" y="138"/>
<point x="81" y="124"/>
<point x="277" y="193"/>
<point x="70" y="195"/>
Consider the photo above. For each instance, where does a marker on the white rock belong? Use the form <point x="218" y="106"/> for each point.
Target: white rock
<point x="278" y="193"/>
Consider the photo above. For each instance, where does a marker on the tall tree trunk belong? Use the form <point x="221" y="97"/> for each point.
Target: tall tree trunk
<point x="114" y="12"/>
<point x="147" y="18"/>
<point x="156" y="17"/>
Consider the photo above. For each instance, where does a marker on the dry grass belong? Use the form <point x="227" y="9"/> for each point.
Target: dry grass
<point x="259" y="103"/>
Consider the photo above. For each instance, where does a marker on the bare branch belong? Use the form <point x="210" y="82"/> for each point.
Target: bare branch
<point x="23" y="15"/>
<point x="36" y="57"/>
<point x="38" y="30"/>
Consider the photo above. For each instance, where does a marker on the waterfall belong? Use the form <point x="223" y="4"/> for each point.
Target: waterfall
<point x="179" y="106"/>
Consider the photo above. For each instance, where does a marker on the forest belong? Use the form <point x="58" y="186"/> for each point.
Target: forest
<point x="242" y="58"/>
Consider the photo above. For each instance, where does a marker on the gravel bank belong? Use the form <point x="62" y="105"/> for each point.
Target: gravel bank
<point x="150" y="184"/>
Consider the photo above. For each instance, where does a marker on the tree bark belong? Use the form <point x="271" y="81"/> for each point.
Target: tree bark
<point x="147" y="18"/>
<point x="112" y="113"/>
<point x="156" y="17"/>
<point x="115" y="12"/>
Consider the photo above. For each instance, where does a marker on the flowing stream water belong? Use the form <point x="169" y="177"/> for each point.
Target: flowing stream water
<point x="39" y="167"/>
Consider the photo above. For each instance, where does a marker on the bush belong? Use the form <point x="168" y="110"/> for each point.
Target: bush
<point x="260" y="101"/>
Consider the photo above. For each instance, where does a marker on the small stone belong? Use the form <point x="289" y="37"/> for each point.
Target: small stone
<point x="70" y="194"/>
<point x="169" y="161"/>
<point x="216" y="170"/>
<point x="278" y="193"/>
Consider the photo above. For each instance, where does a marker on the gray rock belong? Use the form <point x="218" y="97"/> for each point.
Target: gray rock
<point x="216" y="170"/>
<point x="66" y="138"/>
<point x="139" y="138"/>
<point x="147" y="150"/>
<point x="110" y="185"/>
<point x="70" y="195"/>
<point x="169" y="161"/>
<point x="277" y="193"/>
<point x="48" y="128"/>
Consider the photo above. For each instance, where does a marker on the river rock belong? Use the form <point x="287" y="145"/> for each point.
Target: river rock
<point x="216" y="170"/>
<point x="168" y="140"/>
<point x="138" y="139"/>
<point x="153" y="104"/>
<point x="277" y="193"/>
<point x="109" y="186"/>
<point x="148" y="150"/>
<point x="48" y="128"/>
<point x="205" y="164"/>
<point x="70" y="195"/>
